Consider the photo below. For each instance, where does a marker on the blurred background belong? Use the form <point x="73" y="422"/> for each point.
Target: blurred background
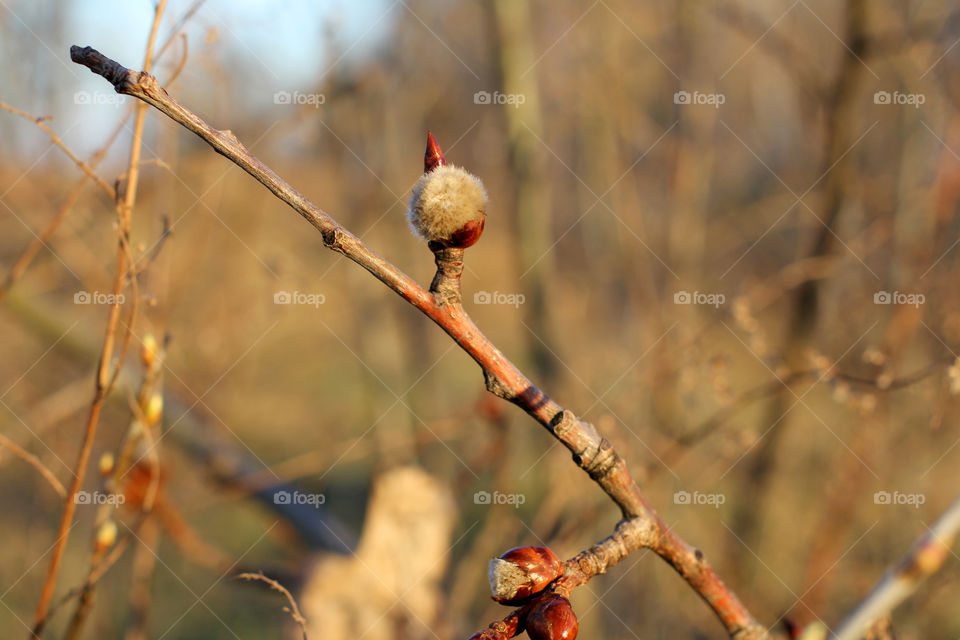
<point x="724" y="232"/>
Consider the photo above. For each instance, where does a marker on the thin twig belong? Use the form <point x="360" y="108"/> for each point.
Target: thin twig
<point x="293" y="609"/>
<point x="34" y="462"/>
<point x="103" y="382"/>
<point x="55" y="139"/>
<point x="20" y="266"/>
<point x="923" y="560"/>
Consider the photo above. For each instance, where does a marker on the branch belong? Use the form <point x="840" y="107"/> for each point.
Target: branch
<point x="594" y="454"/>
<point x="40" y="121"/>
<point x="923" y="560"/>
<point x="628" y="536"/>
<point x="293" y="609"/>
<point x="34" y="462"/>
<point x="103" y="382"/>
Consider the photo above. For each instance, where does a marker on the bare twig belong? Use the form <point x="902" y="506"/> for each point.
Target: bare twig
<point x="139" y="430"/>
<point x="293" y="609"/>
<point x="34" y="462"/>
<point x="104" y="381"/>
<point x="924" y="559"/>
<point x="55" y="139"/>
<point x="711" y="425"/>
<point x="20" y="266"/>
<point x="593" y="453"/>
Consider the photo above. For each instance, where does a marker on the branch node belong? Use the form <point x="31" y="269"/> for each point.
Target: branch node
<point x="595" y="455"/>
<point x="332" y="238"/>
<point x="496" y="387"/>
<point x="446" y="283"/>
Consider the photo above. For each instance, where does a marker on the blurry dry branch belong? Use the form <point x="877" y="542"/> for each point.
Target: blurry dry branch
<point x="923" y="560"/>
<point x="104" y="378"/>
<point x="591" y="452"/>
<point x="89" y="167"/>
<point x="34" y="462"/>
<point x="293" y="610"/>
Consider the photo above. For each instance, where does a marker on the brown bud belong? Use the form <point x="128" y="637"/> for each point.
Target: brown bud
<point x="523" y="572"/>
<point x="552" y="618"/>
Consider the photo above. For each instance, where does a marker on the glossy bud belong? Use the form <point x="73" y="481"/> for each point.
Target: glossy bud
<point x="523" y="572"/>
<point x="552" y="619"/>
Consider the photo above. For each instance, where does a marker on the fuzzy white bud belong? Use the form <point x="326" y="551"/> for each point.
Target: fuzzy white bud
<point x="444" y="203"/>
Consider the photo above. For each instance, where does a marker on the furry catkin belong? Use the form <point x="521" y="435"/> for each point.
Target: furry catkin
<point x="443" y="201"/>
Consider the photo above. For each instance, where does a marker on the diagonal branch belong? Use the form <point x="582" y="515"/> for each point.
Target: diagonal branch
<point x="593" y="453"/>
<point x="923" y="560"/>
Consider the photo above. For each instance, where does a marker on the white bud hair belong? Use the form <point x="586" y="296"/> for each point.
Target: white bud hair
<point x="443" y="201"/>
<point x="505" y="578"/>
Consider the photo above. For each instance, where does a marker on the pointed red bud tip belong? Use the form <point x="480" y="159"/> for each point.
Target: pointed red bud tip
<point x="433" y="157"/>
